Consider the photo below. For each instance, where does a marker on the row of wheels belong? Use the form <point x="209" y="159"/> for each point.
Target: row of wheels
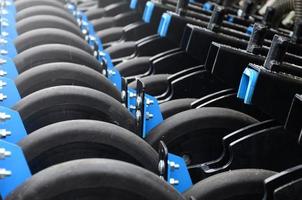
<point x="85" y="112"/>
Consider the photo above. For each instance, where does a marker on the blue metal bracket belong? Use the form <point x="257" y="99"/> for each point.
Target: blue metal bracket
<point x="11" y="126"/>
<point x="14" y="169"/>
<point x="133" y="4"/>
<point x="164" y="24"/>
<point x="111" y="73"/>
<point x="249" y="30"/>
<point x="208" y="6"/>
<point x="178" y="174"/>
<point x="173" y="169"/>
<point x="230" y="19"/>
<point x="7" y="47"/>
<point x="148" y="11"/>
<point x="9" y="94"/>
<point x="8" y="68"/>
<point x="247" y="85"/>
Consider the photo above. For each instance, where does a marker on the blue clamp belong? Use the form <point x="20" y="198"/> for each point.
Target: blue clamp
<point x="230" y="19"/>
<point x="148" y="11"/>
<point x="133" y="4"/>
<point x="178" y="174"/>
<point x="9" y="94"/>
<point x="110" y="72"/>
<point x="8" y="68"/>
<point x="14" y="169"/>
<point x="208" y="6"/>
<point x="7" y="47"/>
<point x="164" y="24"/>
<point x="249" y="30"/>
<point x="247" y="85"/>
<point x="72" y="8"/>
<point x="11" y="126"/>
<point x="173" y="169"/>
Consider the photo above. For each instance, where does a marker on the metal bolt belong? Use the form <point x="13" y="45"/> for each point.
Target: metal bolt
<point x="2" y="84"/>
<point x="4" y="11"/>
<point x="4" y="133"/>
<point x="4" y="173"/>
<point x="3" y="52"/>
<point x="149" y="116"/>
<point x="173" y="181"/>
<point x="4" y="116"/>
<point x="84" y="31"/>
<point x="3" y="73"/>
<point x="131" y="107"/>
<point x="92" y="38"/>
<point x="2" y="97"/>
<point x="3" y="41"/>
<point x="174" y="165"/>
<point x="4" y="23"/>
<point x="4" y="34"/>
<point x="111" y="72"/>
<point x="161" y="168"/>
<point x="138" y="115"/>
<point x="132" y="95"/>
<point x="2" y="61"/>
<point x="104" y="72"/>
<point x="139" y="101"/>
<point x="95" y="53"/>
<point x="123" y="95"/>
<point x="149" y="101"/>
<point x="4" y="153"/>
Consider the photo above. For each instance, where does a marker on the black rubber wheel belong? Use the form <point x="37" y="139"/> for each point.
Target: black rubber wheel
<point x="125" y="49"/>
<point x="133" y="67"/>
<point x="54" y="53"/>
<point x="245" y="184"/>
<point x="155" y="85"/>
<point x="45" y="10"/>
<point x="97" y="13"/>
<point x="46" y="21"/>
<point x="50" y="36"/>
<point x="173" y="107"/>
<point x="20" y="5"/>
<point x="95" y="179"/>
<point x="56" y="74"/>
<point x="103" y="23"/>
<point x="64" y="103"/>
<point x="111" y="34"/>
<point x="197" y="134"/>
<point x="80" y="139"/>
